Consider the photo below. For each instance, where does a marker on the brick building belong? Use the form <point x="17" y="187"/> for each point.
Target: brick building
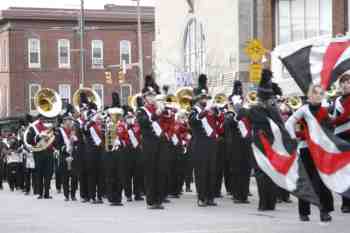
<point x="40" y="48"/>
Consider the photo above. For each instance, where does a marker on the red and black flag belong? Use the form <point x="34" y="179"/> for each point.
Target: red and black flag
<point x="276" y="152"/>
<point x="318" y="63"/>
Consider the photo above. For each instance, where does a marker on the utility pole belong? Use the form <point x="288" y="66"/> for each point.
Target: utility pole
<point x="139" y="39"/>
<point x="82" y="50"/>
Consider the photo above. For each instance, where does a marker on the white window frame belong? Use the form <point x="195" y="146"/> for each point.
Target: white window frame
<point x="94" y="63"/>
<point x="120" y="51"/>
<point x="60" y="64"/>
<point x="38" y="64"/>
<point x="60" y="90"/>
<point x="30" y="96"/>
<point x="99" y="86"/>
<point x="121" y="93"/>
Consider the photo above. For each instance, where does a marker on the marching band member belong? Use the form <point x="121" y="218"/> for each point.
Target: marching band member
<point x="29" y="174"/>
<point x="203" y="124"/>
<point x="94" y="160"/>
<point x="130" y="135"/>
<point x="113" y="153"/>
<point x="82" y="161"/>
<point x="13" y="161"/>
<point x="341" y="120"/>
<point x="320" y="112"/>
<point x="148" y="119"/>
<point x="237" y="152"/>
<point x="249" y="118"/>
<point x="43" y="159"/>
<point x="66" y="141"/>
<point x="181" y="139"/>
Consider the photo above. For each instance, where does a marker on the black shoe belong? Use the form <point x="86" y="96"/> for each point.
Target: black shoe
<point x="250" y="194"/>
<point x="278" y="201"/>
<point x="58" y="191"/>
<point x="99" y="201"/>
<point x="211" y="203"/>
<point x="345" y="209"/>
<point x="166" y="201"/>
<point x="159" y="207"/>
<point x="152" y="207"/>
<point x="176" y="196"/>
<point x="287" y="201"/>
<point x="325" y="217"/>
<point x="201" y="203"/>
<point x="304" y="218"/>
<point x="240" y="201"/>
<point x="85" y="200"/>
<point x="93" y="201"/>
<point x="74" y="199"/>
<point x="47" y="197"/>
<point x="129" y="199"/>
<point x="116" y="204"/>
<point x="139" y="198"/>
<point x="40" y="197"/>
<point x="188" y="190"/>
<point x="26" y="193"/>
<point x="219" y="195"/>
<point x="66" y="199"/>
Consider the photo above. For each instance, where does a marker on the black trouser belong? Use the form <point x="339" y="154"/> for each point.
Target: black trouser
<point x="181" y="168"/>
<point x="154" y="172"/>
<point x="132" y="171"/>
<point x="166" y="159"/>
<point x="220" y="161"/>
<point x="20" y="176"/>
<point x="95" y="172"/>
<point x="188" y="170"/>
<point x="324" y="194"/>
<point x="44" y="171"/>
<point x="29" y="179"/>
<point x="70" y="183"/>
<point x="83" y="174"/>
<point x="174" y="175"/>
<point x="12" y="169"/>
<point x="267" y="191"/>
<point x="58" y="175"/>
<point x="1" y="172"/>
<point x="114" y="178"/>
<point x="205" y="168"/>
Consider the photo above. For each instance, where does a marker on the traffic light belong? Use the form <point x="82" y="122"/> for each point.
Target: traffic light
<point x="121" y="76"/>
<point x="108" y="77"/>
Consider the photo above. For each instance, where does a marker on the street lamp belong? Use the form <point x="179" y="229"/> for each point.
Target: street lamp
<point x="139" y="39"/>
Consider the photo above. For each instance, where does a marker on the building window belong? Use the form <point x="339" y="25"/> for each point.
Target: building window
<point x="33" y="89"/>
<point x="194" y="48"/>
<point x="64" y="91"/>
<point x="99" y="90"/>
<point x="33" y="53"/>
<point x="125" y="93"/>
<point x="125" y="51"/>
<point x="97" y="53"/>
<point x="302" y="19"/>
<point x="63" y="53"/>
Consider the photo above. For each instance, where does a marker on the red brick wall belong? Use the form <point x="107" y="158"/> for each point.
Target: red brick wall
<point x="49" y="75"/>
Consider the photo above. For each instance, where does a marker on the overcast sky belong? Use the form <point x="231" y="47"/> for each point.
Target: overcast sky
<point x="68" y="3"/>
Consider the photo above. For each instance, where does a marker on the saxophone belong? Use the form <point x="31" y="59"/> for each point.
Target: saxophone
<point x="111" y="136"/>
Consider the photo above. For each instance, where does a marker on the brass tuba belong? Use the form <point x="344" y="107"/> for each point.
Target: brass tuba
<point x="48" y="102"/>
<point x="220" y="99"/>
<point x="132" y="100"/>
<point x="184" y="98"/>
<point x="90" y="94"/>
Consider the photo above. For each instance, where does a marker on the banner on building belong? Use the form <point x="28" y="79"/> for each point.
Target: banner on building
<point x="183" y="79"/>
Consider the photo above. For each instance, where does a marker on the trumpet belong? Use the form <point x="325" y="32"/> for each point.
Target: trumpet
<point x="294" y="102"/>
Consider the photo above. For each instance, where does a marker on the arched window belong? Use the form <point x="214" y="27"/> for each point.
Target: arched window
<point x="194" y="48"/>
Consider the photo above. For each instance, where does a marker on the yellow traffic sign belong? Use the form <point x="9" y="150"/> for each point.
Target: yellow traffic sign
<point x="255" y="50"/>
<point x="255" y="71"/>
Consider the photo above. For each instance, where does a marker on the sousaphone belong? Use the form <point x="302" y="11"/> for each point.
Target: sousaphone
<point x="91" y="95"/>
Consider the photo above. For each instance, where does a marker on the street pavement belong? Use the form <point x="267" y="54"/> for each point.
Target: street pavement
<point x="26" y="214"/>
